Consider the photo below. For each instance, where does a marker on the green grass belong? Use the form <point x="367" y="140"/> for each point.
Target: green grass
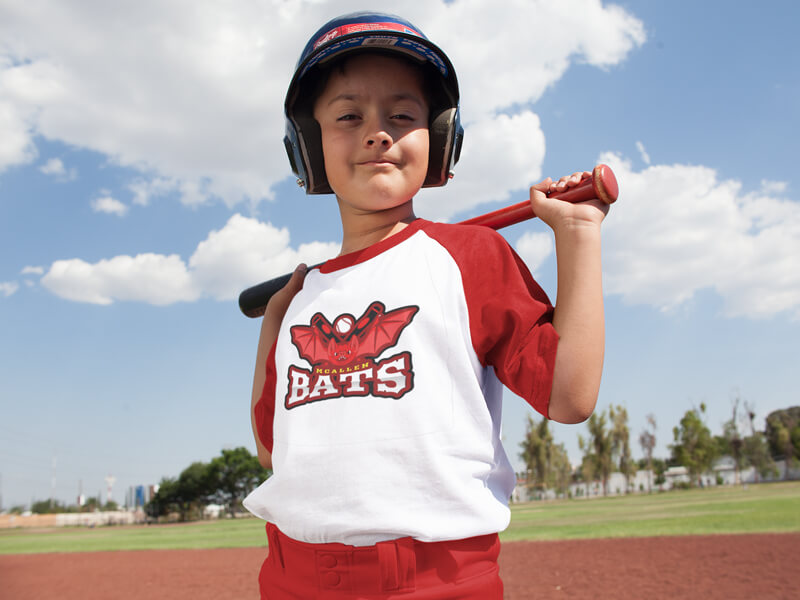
<point x="226" y="533"/>
<point x="756" y="509"/>
<point x="764" y="508"/>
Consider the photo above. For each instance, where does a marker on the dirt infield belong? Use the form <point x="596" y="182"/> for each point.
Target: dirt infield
<point x="726" y="566"/>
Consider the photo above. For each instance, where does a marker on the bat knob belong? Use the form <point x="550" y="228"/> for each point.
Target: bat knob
<point x="605" y="184"/>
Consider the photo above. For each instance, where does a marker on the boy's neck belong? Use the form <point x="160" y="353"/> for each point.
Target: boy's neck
<point x="360" y="231"/>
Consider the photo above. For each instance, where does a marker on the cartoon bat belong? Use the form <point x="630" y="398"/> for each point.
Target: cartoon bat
<point x="348" y="339"/>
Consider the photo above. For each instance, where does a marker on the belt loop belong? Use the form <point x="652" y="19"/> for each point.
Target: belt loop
<point x="398" y="565"/>
<point x="274" y="545"/>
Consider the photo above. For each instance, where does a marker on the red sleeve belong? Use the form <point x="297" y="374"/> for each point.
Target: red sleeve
<point x="265" y="407"/>
<point x="510" y="316"/>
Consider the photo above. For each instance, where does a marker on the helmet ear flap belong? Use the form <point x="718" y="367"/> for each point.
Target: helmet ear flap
<point x="445" y="137"/>
<point x="305" y="154"/>
<point x="292" y="151"/>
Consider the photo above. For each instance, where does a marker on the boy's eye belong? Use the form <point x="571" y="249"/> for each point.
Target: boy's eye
<point x="347" y="117"/>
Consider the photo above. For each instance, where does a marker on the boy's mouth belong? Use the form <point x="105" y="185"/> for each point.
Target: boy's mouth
<point x="378" y="162"/>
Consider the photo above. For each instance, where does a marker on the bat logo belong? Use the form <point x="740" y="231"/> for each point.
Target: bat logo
<point x="343" y="356"/>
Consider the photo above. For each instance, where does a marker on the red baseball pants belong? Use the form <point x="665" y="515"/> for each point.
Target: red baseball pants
<point x="398" y="569"/>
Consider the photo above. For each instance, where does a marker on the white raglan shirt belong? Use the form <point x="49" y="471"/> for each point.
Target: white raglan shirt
<point x="405" y="442"/>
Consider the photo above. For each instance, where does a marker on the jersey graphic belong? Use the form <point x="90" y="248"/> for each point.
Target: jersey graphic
<point x="344" y="356"/>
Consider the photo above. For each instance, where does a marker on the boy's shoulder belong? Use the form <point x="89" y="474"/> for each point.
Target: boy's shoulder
<point x="474" y="244"/>
<point x="464" y="234"/>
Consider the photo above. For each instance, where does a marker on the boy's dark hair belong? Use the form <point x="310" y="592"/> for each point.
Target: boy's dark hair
<point x="338" y="40"/>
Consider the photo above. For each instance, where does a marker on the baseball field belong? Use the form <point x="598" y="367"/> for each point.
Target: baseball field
<point x="739" y="542"/>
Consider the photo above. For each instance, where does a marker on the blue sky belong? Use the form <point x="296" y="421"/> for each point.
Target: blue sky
<point x="143" y="184"/>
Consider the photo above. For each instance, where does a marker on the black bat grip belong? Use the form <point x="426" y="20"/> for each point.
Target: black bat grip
<point x="253" y="301"/>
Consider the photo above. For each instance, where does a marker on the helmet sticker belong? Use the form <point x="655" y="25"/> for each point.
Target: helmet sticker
<point x="361" y="27"/>
<point x="410" y="46"/>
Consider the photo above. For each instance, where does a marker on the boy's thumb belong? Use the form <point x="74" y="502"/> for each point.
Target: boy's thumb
<point x="295" y="283"/>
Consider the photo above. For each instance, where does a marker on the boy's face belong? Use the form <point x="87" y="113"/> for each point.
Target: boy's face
<point x="373" y="116"/>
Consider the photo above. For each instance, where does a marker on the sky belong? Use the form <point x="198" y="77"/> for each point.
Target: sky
<point x="144" y="184"/>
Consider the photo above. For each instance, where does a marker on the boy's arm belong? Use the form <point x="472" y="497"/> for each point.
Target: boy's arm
<point x="578" y="316"/>
<point x="271" y="323"/>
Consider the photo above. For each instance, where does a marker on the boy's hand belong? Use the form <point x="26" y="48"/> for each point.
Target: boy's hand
<point x="276" y="310"/>
<point x="279" y="302"/>
<point x="558" y="214"/>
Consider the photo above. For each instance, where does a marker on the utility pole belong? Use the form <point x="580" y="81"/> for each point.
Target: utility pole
<point x="110" y="483"/>
<point x="53" y="484"/>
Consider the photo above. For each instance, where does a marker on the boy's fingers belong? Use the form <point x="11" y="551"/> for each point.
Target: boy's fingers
<point x="543" y="186"/>
<point x="280" y="300"/>
<point x="295" y="283"/>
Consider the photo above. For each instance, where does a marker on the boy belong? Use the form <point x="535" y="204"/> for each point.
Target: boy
<point x="380" y="402"/>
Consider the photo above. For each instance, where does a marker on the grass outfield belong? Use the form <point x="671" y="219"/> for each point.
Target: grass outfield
<point x="764" y="508"/>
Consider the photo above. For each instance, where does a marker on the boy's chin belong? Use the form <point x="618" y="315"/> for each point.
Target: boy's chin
<point x="380" y="195"/>
<point x="375" y="201"/>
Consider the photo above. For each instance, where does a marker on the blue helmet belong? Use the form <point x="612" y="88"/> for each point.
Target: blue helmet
<point x="374" y="32"/>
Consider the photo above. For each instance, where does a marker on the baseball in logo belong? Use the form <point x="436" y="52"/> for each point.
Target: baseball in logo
<point x="345" y="356"/>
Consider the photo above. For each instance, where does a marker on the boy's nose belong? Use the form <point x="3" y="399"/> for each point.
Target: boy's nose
<point x="376" y="133"/>
<point x="378" y="138"/>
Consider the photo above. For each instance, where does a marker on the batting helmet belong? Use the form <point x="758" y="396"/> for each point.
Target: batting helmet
<point x="374" y="32"/>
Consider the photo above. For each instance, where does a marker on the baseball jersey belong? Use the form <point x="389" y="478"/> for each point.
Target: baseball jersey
<point x="382" y="402"/>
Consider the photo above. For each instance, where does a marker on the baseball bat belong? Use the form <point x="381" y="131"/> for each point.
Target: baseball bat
<point x="601" y="185"/>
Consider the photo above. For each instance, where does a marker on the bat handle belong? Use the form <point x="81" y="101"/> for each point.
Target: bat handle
<point x="253" y="300"/>
<point x="601" y="184"/>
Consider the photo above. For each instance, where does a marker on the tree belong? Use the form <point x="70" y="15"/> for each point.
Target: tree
<point x="164" y="500"/>
<point x="755" y="449"/>
<point x="731" y="441"/>
<point x="597" y="450"/>
<point x="92" y="504"/>
<point x="783" y="434"/>
<point x="227" y="479"/>
<point x="560" y="469"/>
<point x="536" y="453"/>
<point x="694" y="447"/>
<point x="233" y="475"/>
<point x="755" y="452"/>
<point x="195" y="487"/>
<point x="46" y="507"/>
<point x="547" y="463"/>
<point x="620" y="443"/>
<point x="647" y="440"/>
<point x="186" y="495"/>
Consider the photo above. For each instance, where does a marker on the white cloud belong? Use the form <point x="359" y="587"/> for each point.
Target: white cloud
<point x="535" y="248"/>
<point x="247" y="251"/>
<point x="152" y="278"/>
<point x="7" y="288"/>
<point x="678" y="229"/>
<point x="190" y="93"/>
<point x="774" y="187"/>
<point x="144" y="190"/>
<point x="643" y="153"/>
<point x="244" y="252"/>
<point x="109" y="205"/>
<point x="508" y="57"/>
<point x="32" y="270"/>
<point x="55" y="168"/>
